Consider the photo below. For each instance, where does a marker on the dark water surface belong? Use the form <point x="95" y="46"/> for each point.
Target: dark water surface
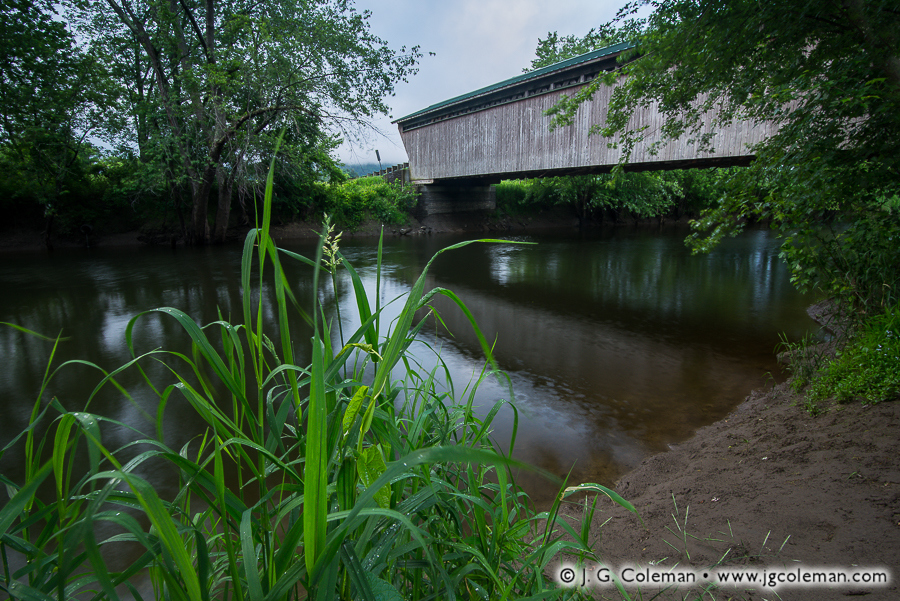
<point x="617" y="343"/>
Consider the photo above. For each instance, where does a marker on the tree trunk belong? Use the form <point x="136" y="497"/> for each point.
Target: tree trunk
<point x="178" y="202"/>
<point x="224" y="210"/>
<point x="200" y="212"/>
<point x="199" y="224"/>
<point x="48" y="232"/>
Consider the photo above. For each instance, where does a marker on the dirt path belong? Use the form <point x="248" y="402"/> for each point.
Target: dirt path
<point x="829" y="486"/>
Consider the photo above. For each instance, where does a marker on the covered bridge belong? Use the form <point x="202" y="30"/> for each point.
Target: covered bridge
<point x="458" y="147"/>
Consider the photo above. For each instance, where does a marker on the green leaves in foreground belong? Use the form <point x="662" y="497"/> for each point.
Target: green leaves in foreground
<point x="348" y="478"/>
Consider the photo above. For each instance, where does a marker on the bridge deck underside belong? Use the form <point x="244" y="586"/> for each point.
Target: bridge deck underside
<point x="494" y="178"/>
<point x="514" y="141"/>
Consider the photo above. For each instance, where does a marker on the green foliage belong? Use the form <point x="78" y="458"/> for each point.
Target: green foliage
<point x="188" y="95"/>
<point x="306" y="174"/>
<point x="357" y="476"/>
<point x="700" y="189"/>
<point x="50" y="103"/>
<point x="828" y="75"/>
<point x="511" y="195"/>
<point x="356" y="200"/>
<point x="867" y="368"/>
<point x="99" y="191"/>
<point x="837" y="239"/>
<point x="555" y="48"/>
<point x="19" y="192"/>
<point x="642" y="195"/>
<point x="205" y="85"/>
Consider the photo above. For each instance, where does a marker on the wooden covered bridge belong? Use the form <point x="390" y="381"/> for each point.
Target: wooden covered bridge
<point x="459" y="147"/>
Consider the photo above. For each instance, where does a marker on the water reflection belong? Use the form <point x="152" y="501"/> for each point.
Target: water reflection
<point x="90" y="297"/>
<point x="616" y="343"/>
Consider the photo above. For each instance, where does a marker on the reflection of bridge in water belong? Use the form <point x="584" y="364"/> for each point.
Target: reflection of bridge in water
<point x="458" y="147"/>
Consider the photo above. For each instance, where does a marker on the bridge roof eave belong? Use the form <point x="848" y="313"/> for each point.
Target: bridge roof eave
<point x="520" y="79"/>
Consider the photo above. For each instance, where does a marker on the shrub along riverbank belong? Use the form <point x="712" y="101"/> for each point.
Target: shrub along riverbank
<point x="611" y="198"/>
<point x="107" y="205"/>
<point x="861" y="365"/>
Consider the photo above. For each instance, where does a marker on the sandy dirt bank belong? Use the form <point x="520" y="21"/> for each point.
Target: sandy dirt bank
<point x="768" y="487"/>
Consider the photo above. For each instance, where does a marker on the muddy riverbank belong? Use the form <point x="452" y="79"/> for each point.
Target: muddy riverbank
<point x="768" y="487"/>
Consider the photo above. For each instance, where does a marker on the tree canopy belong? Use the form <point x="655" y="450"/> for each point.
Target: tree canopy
<point x="52" y="98"/>
<point x="555" y="48"/>
<point x="209" y="82"/>
<point x="828" y="73"/>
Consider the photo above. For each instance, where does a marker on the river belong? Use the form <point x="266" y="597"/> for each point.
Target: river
<point x="618" y="342"/>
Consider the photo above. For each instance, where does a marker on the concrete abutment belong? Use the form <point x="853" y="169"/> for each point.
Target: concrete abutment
<point x="439" y="199"/>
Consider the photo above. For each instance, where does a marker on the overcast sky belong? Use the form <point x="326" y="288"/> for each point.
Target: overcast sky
<point x="476" y="43"/>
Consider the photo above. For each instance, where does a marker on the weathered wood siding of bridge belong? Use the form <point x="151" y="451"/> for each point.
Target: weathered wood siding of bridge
<point x="471" y="139"/>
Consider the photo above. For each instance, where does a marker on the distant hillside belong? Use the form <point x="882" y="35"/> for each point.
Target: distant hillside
<point x="362" y="169"/>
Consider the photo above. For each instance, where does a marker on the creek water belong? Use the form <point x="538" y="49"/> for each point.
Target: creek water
<point x="617" y="342"/>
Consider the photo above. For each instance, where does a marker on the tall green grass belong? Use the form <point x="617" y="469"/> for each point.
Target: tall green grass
<point x="334" y="480"/>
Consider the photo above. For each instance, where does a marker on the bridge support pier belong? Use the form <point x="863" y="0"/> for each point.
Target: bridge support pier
<point x="443" y="198"/>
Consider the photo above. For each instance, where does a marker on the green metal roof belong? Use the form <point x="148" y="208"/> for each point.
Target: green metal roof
<point x="569" y="62"/>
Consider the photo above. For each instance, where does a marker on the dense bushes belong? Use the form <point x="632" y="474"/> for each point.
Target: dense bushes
<point x="866" y="368"/>
<point x="348" y="202"/>
<point x="95" y="190"/>
<point x="116" y="193"/>
<point x="604" y="197"/>
<point x="356" y="200"/>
